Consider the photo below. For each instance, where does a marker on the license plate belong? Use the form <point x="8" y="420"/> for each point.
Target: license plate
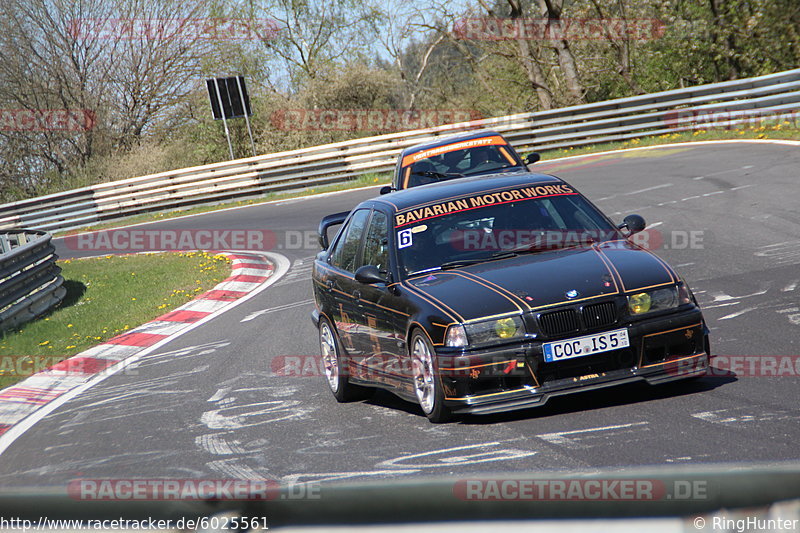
<point x="588" y="345"/>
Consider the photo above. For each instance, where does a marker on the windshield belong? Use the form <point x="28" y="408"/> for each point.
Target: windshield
<point x="525" y="225"/>
<point x="466" y="158"/>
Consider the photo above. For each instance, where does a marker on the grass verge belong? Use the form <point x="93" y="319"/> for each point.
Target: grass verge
<point x="106" y="296"/>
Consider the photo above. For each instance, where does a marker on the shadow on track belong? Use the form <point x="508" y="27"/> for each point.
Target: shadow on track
<point x="582" y="401"/>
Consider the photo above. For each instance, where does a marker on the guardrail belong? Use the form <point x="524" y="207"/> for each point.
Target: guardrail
<point x="612" y="120"/>
<point x="30" y="281"/>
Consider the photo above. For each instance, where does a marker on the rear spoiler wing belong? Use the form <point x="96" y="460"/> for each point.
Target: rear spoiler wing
<point x="327" y="222"/>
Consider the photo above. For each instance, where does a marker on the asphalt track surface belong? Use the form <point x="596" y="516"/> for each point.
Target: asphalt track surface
<point x="208" y="405"/>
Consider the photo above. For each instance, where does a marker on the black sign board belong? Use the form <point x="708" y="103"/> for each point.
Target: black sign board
<point x="233" y="93"/>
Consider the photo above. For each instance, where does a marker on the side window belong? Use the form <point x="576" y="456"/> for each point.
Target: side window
<point x="376" y="246"/>
<point x="344" y="253"/>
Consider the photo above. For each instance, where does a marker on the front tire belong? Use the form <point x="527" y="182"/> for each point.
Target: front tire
<point x="336" y="373"/>
<point x="427" y="382"/>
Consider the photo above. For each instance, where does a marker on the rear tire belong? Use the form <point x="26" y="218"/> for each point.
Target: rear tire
<point x="427" y="382"/>
<point x="336" y="373"/>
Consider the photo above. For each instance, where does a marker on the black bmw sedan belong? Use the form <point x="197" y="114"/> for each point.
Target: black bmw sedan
<point x="494" y="293"/>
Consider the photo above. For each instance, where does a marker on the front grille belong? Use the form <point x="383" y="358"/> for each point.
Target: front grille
<point x="599" y="315"/>
<point x="559" y="322"/>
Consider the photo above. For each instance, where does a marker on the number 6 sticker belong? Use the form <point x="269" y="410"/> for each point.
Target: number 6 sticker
<point x="404" y="238"/>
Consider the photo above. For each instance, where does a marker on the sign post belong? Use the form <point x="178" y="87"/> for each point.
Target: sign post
<point x="229" y="99"/>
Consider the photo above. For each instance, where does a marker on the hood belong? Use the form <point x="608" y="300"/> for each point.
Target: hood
<point x="544" y="279"/>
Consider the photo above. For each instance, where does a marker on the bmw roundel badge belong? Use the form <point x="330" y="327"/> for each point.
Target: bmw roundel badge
<point x="572" y="294"/>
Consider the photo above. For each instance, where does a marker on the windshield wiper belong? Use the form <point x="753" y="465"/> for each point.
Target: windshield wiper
<point x="466" y="262"/>
<point x="490" y="170"/>
<point x="438" y="175"/>
<point x="535" y="248"/>
<point x="424" y="270"/>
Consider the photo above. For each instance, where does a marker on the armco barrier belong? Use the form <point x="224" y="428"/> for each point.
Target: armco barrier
<point x="612" y="120"/>
<point x="30" y="281"/>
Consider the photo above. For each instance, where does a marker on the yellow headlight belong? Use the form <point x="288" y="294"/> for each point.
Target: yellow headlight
<point x="505" y="328"/>
<point x="639" y="303"/>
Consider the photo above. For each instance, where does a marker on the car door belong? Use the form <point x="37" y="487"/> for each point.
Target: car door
<point x="340" y="285"/>
<point x="382" y="311"/>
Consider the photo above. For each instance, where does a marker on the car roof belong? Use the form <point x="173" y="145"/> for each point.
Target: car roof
<point x="465" y="186"/>
<point x="450" y="139"/>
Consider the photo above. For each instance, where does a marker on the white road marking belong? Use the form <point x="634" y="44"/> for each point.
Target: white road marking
<point x="220" y="394"/>
<point x="634" y="192"/>
<point x="159" y="327"/>
<point x="713" y="193"/>
<point x="648" y="189"/>
<point x="240" y="286"/>
<point x="204" y="306"/>
<point x="246" y="271"/>
<point x="723" y="297"/>
<point x="689" y="198"/>
<point x="562" y="439"/>
<point x="299" y="479"/>
<point x="440" y="458"/>
<point x="740" y="415"/>
<point x="685" y="265"/>
<point x="252" y="414"/>
<point x="790" y="287"/>
<point x="740" y="312"/>
<point x="256" y="314"/>
<point x="710" y="306"/>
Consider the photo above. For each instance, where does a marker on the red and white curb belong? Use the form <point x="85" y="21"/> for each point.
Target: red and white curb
<point x="28" y="401"/>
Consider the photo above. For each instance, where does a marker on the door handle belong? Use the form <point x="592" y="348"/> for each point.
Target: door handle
<point x="330" y="284"/>
<point x="357" y="294"/>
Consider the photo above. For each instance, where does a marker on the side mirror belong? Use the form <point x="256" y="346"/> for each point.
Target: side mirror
<point x="386" y="189"/>
<point x="532" y="158"/>
<point x="634" y="223"/>
<point x="369" y="275"/>
<point x="327" y="222"/>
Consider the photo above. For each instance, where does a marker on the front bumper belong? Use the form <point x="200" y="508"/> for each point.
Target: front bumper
<point x="661" y="350"/>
